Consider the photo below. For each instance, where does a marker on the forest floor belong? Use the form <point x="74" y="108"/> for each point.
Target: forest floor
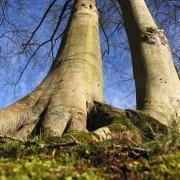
<point x="69" y="158"/>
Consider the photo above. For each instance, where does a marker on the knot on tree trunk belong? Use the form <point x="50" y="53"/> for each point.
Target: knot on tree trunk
<point x="85" y="8"/>
<point x="152" y="35"/>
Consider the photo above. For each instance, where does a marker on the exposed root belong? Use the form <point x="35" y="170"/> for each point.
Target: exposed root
<point x="133" y="120"/>
<point x="50" y="123"/>
<point x="61" y="119"/>
<point x="5" y="137"/>
<point x="105" y="122"/>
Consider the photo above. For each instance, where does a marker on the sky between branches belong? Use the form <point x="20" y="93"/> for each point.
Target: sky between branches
<point x="119" y="88"/>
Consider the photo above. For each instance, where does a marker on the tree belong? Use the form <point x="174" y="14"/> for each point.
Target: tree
<point x="72" y="93"/>
<point x="157" y="82"/>
<point x="63" y="100"/>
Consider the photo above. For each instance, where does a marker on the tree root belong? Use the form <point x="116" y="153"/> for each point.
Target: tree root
<point x="109" y="122"/>
<point x="48" y="123"/>
<point x="104" y="122"/>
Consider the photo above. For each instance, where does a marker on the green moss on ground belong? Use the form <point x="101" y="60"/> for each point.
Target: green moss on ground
<point x="40" y="159"/>
<point x="141" y="149"/>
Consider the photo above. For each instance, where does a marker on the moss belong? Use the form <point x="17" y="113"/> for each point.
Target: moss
<point x="125" y="130"/>
<point x="104" y="160"/>
<point x="157" y="167"/>
<point x="37" y="161"/>
<point x="126" y="156"/>
<point x="150" y="127"/>
<point x="136" y="122"/>
<point x="37" y="168"/>
<point x="81" y="137"/>
<point x="117" y="127"/>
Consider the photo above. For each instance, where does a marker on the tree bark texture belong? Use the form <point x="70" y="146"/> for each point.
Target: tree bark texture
<point x="63" y="100"/>
<point x="157" y="82"/>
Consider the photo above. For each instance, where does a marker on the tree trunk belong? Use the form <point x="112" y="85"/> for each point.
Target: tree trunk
<point x="157" y="82"/>
<point x="63" y="100"/>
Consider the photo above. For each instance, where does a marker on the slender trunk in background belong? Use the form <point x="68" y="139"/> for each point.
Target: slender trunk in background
<point x="64" y="99"/>
<point x="157" y="82"/>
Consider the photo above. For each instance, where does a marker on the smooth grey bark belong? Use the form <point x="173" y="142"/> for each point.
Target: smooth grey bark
<point x="63" y="100"/>
<point x="66" y="97"/>
<point x="157" y="82"/>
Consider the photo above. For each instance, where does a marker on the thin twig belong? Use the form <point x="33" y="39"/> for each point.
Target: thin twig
<point x="45" y="42"/>
<point x="44" y="16"/>
<point x="133" y="148"/>
<point x="60" y="145"/>
<point x="75" y="140"/>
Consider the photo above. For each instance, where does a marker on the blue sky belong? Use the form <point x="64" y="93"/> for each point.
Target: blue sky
<point x="119" y="88"/>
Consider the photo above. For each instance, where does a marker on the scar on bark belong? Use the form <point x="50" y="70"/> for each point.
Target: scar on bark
<point x="153" y="36"/>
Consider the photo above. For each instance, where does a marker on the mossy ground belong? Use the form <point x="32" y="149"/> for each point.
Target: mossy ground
<point x="140" y="149"/>
<point x="112" y="159"/>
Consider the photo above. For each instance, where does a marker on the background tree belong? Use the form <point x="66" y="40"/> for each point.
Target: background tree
<point x="157" y="81"/>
